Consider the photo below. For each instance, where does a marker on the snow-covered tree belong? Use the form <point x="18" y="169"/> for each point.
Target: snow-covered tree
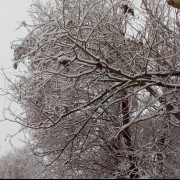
<point x="21" y="164"/>
<point x="101" y="90"/>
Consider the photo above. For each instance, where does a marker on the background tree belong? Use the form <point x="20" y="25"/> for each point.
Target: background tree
<point x="21" y="164"/>
<point x="101" y="90"/>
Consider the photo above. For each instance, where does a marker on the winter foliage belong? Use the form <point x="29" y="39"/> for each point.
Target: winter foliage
<point x="100" y="95"/>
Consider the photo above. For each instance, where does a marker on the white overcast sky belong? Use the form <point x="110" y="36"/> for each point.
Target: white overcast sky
<point x="11" y="12"/>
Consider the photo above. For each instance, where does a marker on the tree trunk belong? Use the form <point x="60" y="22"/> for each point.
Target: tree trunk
<point x="133" y="171"/>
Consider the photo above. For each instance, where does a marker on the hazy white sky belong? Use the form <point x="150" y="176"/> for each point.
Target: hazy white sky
<point x="11" y="12"/>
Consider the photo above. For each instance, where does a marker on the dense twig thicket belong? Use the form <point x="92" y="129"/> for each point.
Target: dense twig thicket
<point x="100" y="95"/>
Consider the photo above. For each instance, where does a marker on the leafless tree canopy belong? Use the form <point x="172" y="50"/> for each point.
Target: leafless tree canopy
<point x="100" y="95"/>
<point x="21" y="164"/>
